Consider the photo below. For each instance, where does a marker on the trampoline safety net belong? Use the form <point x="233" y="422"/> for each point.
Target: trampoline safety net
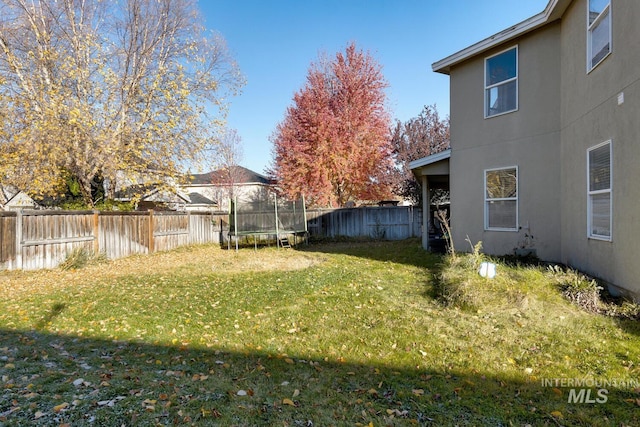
<point x="266" y="214"/>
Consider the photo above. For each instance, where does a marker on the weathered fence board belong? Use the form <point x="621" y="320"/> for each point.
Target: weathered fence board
<point x="384" y="222"/>
<point x="205" y="227"/>
<point x="123" y="234"/>
<point x="47" y="238"/>
<point x="7" y="240"/>
<point x="170" y="230"/>
<point x="32" y="240"/>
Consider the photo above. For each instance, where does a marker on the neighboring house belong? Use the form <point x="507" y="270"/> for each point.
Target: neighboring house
<point x="545" y="122"/>
<point x="20" y="200"/>
<point x="151" y="193"/>
<point x="221" y="185"/>
<point x="163" y="200"/>
<point x="198" y="202"/>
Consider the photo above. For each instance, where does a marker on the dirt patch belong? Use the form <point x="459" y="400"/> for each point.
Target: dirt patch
<point x="285" y="262"/>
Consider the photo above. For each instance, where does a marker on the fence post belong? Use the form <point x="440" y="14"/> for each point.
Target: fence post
<point x="151" y="236"/>
<point x="190" y="239"/>
<point x="96" y="230"/>
<point x="364" y="228"/>
<point x="19" y="239"/>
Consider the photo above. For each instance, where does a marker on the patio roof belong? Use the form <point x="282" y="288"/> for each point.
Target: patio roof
<point x="429" y="160"/>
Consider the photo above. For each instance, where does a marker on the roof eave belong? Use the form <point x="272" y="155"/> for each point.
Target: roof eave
<point x="443" y="155"/>
<point x="553" y="11"/>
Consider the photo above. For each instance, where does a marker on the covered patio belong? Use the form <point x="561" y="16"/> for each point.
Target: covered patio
<point x="432" y="172"/>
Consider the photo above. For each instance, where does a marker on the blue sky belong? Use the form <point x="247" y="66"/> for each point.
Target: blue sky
<point x="275" y="41"/>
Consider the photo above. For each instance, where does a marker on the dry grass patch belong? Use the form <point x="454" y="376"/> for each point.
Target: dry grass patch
<point x="194" y="260"/>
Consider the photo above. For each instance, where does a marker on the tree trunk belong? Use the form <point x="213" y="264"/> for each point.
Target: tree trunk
<point x="85" y="190"/>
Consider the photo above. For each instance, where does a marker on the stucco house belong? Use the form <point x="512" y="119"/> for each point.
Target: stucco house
<point x="545" y="140"/>
<point x="223" y="184"/>
<point x="20" y="200"/>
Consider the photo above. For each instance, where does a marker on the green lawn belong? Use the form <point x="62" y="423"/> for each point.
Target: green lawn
<point x="329" y="334"/>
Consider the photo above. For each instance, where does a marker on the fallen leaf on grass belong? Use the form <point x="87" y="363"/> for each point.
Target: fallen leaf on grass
<point x="149" y="405"/>
<point x="557" y="414"/>
<point x="60" y="407"/>
<point x="113" y="401"/>
<point x="199" y="377"/>
<point x="397" y="413"/>
<point x="288" y="402"/>
<point x="418" y="392"/>
<point x="8" y="412"/>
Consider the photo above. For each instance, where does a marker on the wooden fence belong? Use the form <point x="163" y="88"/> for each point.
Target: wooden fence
<point x="32" y="240"/>
<point x="384" y="222"/>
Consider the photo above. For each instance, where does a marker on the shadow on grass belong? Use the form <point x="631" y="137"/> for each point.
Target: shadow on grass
<point x="407" y="252"/>
<point x="55" y="311"/>
<point x="54" y="380"/>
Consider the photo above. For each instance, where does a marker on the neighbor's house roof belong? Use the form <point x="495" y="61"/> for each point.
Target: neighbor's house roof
<point x="165" y="196"/>
<point x="554" y="11"/>
<point x="199" y="199"/>
<point x="20" y="200"/>
<point x="220" y="176"/>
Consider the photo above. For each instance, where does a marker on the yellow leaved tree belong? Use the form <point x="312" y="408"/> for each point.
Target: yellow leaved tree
<point x="108" y="91"/>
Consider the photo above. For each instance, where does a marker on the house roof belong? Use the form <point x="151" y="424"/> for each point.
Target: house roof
<point x="554" y="11"/>
<point x="20" y="200"/>
<point x="425" y="161"/>
<point x="165" y="196"/>
<point x="199" y="199"/>
<point x="220" y="176"/>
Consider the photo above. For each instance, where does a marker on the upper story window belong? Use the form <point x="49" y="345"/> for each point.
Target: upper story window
<point x="501" y="199"/>
<point x="501" y="83"/>
<point x="598" y="32"/>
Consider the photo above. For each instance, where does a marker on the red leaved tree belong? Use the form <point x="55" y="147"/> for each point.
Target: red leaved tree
<point x="412" y="140"/>
<point x="334" y="144"/>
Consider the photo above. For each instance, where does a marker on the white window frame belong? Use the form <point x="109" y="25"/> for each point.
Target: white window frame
<point x="591" y="193"/>
<point x="487" y="88"/>
<point x="590" y="27"/>
<point x="487" y="200"/>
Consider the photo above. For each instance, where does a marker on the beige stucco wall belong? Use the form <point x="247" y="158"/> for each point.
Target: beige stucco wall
<point x="220" y="194"/>
<point x="528" y="138"/>
<point x="590" y="114"/>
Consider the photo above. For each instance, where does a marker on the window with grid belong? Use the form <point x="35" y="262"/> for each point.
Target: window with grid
<point x="598" y="32"/>
<point x="501" y="83"/>
<point x="501" y="199"/>
<point x="599" y="192"/>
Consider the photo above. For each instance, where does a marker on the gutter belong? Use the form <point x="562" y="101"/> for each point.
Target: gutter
<point x="554" y="10"/>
